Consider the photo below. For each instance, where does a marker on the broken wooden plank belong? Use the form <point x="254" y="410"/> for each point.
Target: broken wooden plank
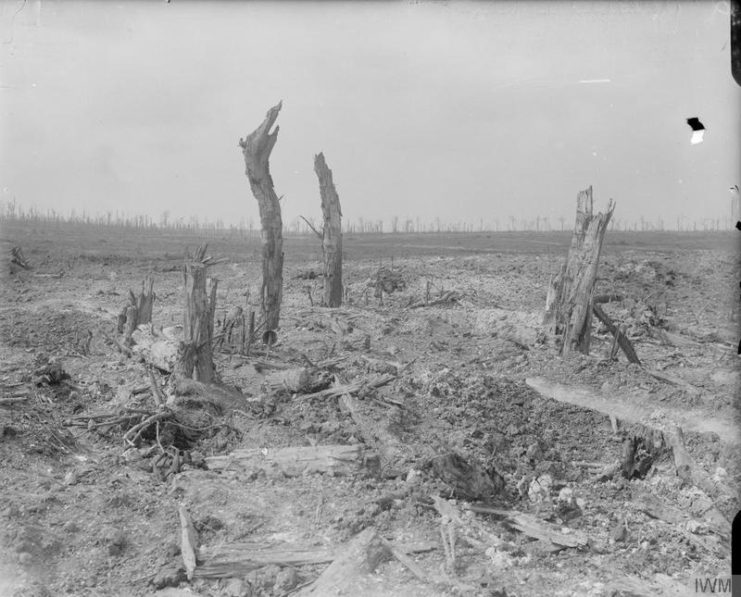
<point x="295" y="461"/>
<point x="188" y="541"/>
<point x="359" y="557"/>
<point x="239" y="559"/>
<point x="537" y="529"/>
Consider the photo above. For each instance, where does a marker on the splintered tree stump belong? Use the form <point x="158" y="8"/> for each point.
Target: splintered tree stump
<point x="138" y="311"/>
<point x="195" y="358"/>
<point x="569" y="300"/>
<point x="256" y="149"/>
<point x="332" y="235"/>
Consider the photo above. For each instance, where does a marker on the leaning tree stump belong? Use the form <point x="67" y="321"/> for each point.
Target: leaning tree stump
<point x="332" y="235"/>
<point x="569" y="300"/>
<point x="195" y="357"/>
<point x="256" y="148"/>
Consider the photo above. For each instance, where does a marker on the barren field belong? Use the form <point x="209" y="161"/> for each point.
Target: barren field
<point x="495" y="466"/>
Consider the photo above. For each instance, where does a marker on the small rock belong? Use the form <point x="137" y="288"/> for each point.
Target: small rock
<point x="132" y="455"/>
<point x="286" y="579"/>
<point x="25" y="558"/>
<point x="566" y="496"/>
<point x="236" y="587"/>
<point x="414" y="477"/>
<point x="70" y="478"/>
<point x="8" y="431"/>
<point x="523" y="485"/>
<point x="619" y="533"/>
<point x="197" y="459"/>
<point x="534" y="452"/>
<point x="720" y="475"/>
<point x="696" y="527"/>
<point x="70" y="527"/>
<point x="540" y="488"/>
<point x="169" y="576"/>
<point x="117" y="543"/>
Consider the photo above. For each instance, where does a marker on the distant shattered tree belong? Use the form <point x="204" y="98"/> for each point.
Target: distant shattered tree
<point x="256" y="148"/>
<point x="569" y="301"/>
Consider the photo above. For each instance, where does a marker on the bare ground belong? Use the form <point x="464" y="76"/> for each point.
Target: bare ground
<point x="84" y="516"/>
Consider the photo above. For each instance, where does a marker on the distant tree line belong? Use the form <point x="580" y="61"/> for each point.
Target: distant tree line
<point x="12" y="212"/>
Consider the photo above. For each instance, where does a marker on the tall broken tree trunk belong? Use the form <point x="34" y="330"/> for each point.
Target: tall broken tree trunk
<point x="256" y="148"/>
<point x="569" y="300"/>
<point x="332" y="236"/>
<point x="195" y="357"/>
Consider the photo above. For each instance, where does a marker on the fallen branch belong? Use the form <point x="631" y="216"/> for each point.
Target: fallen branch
<point x="351" y="388"/>
<point x="671" y="379"/>
<point x="537" y="529"/>
<point x="313" y="229"/>
<point x="412" y="566"/>
<point x="622" y="339"/>
<point x="138" y="429"/>
<point x="158" y="397"/>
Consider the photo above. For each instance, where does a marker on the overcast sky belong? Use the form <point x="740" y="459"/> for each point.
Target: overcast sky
<point x="457" y="110"/>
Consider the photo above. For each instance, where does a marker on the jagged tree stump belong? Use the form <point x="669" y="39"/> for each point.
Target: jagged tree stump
<point x="569" y="300"/>
<point x="195" y="358"/>
<point x="138" y="310"/>
<point x="256" y="149"/>
<point x="332" y="235"/>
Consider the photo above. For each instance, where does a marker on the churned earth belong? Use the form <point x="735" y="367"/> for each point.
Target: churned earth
<point x="473" y="373"/>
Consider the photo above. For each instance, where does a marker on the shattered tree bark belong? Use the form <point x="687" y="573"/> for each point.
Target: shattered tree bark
<point x="256" y="148"/>
<point x="195" y="358"/>
<point x="569" y="300"/>
<point x="332" y="235"/>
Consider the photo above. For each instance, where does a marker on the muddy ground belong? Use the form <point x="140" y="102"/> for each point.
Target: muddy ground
<point x="473" y="375"/>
